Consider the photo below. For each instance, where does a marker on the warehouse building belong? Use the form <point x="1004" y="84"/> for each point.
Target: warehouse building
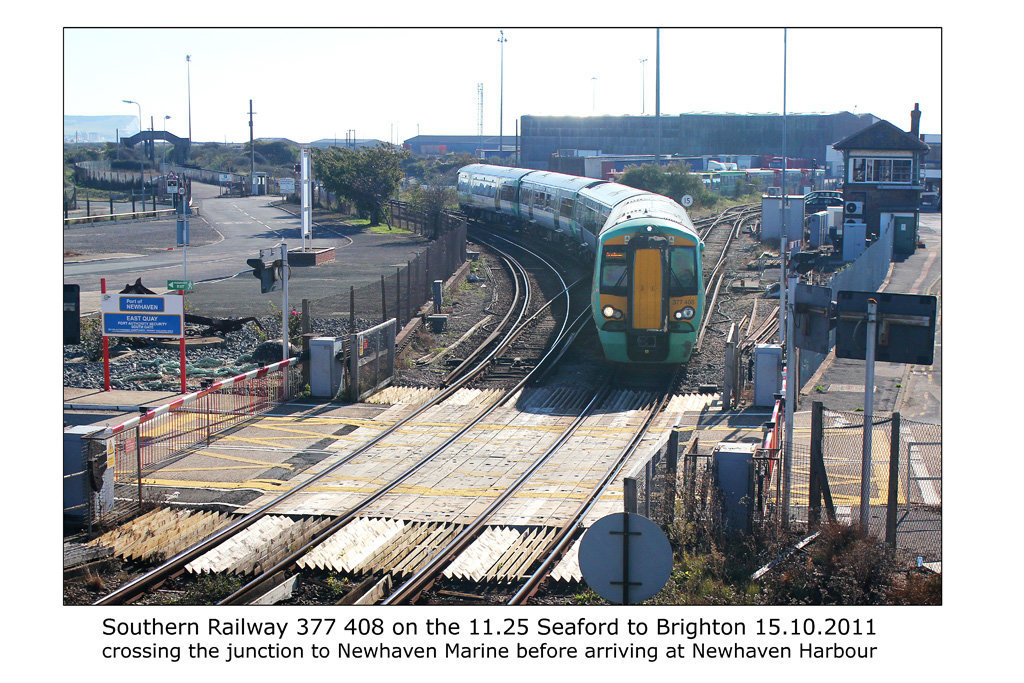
<point x="807" y="135"/>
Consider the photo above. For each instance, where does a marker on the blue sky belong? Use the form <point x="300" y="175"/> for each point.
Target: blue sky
<point x="390" y="83"/>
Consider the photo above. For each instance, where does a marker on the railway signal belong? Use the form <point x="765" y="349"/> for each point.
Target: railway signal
<point x="265" y="273"/>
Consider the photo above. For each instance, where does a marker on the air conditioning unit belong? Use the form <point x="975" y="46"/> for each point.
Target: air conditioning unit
<point x="854" y="208"/>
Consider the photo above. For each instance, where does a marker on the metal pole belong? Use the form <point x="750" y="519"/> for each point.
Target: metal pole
<point x="307" y="207"/>
<point x="894" y="476"/>
<point x="814" y="502"/>
<point x="789" y="406"/>
<point x="783" y="203"/>
<point x="252" y="151"/>
<point x="643" y="86"/>
<point x="869" y="407"/>
<point x="284" y="302"/>
<point x="188" y="69"/>
<point x="501" y="96"/>
<point x="106" y="342"/>
<point x="657" y="97"/>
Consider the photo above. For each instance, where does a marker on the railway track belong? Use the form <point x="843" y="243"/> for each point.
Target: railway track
<point x="175" y="565"/>
<point x="718" y="233"/>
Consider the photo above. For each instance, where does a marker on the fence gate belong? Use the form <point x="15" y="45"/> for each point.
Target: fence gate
<point x="919" y="525"/>
<point x="372" y="359"/>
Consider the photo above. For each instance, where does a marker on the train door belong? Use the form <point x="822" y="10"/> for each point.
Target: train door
<point x="646" y="295"/>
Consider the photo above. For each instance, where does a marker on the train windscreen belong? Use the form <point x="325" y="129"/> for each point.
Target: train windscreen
<point x="613" y="271"/>
<point x="682" y="268"/>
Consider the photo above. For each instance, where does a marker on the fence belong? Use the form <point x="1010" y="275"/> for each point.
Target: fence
<point x="372" y="359"/>
<point x="137" y="446"/>
<point x="905" y="505"/>
<point x="400" y="293"/>
<point x="649" y="489"/>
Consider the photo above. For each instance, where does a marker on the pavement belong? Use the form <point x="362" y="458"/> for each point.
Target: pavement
<point x="914" y="391"/>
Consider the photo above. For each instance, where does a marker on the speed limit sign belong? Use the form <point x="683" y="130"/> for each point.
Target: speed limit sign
<point x="687" y="200"/>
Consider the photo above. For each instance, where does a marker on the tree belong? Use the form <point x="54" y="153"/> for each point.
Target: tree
<point x="646" y="177"/>
<point x="367" y="177"/>
<point x="431" y="200"/>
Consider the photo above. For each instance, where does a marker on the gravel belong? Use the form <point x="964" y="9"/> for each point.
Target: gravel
<point x="143" y="364"/>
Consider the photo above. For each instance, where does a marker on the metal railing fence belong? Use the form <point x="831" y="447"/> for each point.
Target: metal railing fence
<point x="139" y="445"/>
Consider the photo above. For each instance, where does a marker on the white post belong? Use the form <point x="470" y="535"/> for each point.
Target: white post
<point x="869" y="407"/>
<point x="284" y="302"/>
<point x="790" y="405"/>
<point x="307" y="208"/>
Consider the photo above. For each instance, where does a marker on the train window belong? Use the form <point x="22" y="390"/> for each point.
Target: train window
<point x="682" y="268"/>
<point x="613" y="271"/>
<point x="567" y="207"/>
<point x="463" y="182"/>
<point x="508" y="193"/>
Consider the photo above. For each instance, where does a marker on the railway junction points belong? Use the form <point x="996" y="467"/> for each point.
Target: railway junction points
<point x="240" y="471"/>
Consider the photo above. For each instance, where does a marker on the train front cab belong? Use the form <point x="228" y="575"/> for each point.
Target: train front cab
<point x="648" y="295"/>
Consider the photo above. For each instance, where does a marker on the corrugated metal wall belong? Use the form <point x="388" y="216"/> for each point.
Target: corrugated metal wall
<point x="808" y="135"/>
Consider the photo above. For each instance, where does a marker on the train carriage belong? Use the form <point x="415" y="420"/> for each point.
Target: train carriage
<point x="648" y="293"/>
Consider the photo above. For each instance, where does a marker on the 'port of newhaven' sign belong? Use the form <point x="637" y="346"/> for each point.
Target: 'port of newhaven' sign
<point x="142" y="315"/>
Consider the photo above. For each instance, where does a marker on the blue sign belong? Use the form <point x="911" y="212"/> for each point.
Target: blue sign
<point x="131" y="304"/>
<point x="142" y="324"/>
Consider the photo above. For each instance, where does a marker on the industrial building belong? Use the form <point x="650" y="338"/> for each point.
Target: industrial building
<point x="809" y="136"/>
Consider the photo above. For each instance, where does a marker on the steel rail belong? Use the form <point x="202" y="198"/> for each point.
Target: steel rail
<point x="567" y="534"/>
<point x="516" y="269"/>
<point x="249" y="590"/>
<point x="565" y="290"/>
<point x="427" y="574"/>
<point x="133" y="589"/>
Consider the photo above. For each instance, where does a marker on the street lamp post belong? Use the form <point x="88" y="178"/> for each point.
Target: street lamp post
<point x="188" y="70"/>
<point x="501" y="95"/>
<point x="593" y="100"/>
<point x="142" y="182"/>
<point x="643" y="86"/>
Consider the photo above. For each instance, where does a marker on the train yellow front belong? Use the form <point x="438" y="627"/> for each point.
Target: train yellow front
<point x="648" y="294"/>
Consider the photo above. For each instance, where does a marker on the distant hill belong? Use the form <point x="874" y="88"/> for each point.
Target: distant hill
<point x="99" y="128"/>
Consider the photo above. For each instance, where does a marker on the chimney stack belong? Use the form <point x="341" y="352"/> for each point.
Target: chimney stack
<point x="915" y="122"/>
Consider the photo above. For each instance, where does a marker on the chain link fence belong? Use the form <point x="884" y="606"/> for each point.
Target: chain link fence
<point x="402" y="291"/>
<point x="905" y="486"/>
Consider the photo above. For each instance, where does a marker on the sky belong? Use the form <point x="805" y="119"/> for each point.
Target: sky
<point x="392" y="84"/>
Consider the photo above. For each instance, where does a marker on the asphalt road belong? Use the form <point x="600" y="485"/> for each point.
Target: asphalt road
<point x="226" y="232"/>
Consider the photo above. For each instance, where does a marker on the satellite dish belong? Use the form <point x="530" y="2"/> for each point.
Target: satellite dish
<point x="687" y="200"/>
<point x="625" y="558"/>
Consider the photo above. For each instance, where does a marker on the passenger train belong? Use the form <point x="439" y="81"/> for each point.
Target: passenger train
<point x="648" y="290"/>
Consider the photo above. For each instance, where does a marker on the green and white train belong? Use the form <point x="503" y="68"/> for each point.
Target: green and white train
<point x="648" y="291"/>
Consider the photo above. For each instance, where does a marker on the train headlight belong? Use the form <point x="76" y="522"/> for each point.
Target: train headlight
<point x="610" y="312"/>
<point x="685" y="313"/>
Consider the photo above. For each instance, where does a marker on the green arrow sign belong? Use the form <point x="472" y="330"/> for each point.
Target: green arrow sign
<point x="187" y="285"/>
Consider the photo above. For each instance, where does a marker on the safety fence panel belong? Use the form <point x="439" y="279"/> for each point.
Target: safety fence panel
<point x="372" y="359"/>
<point x="138" y="446"/>
<point x="909" y="466"/>
<point x="649" y="488"/>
